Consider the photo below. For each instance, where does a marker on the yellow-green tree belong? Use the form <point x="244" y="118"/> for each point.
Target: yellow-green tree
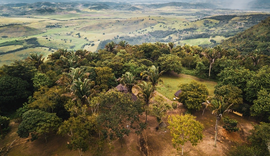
<point x="184" y="128"/>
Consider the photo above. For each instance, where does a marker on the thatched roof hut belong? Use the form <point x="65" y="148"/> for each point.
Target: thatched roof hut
<point x="121" y="88"/>
<point x="178" y="93"/>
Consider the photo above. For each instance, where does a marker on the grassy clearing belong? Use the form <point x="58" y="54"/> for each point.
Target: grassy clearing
<point x="198" y="41"/>
<point x="171" y="84"/>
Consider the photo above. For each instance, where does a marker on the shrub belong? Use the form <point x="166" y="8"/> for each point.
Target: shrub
<point x="174" y="105"/>
<point x="4" y="123"/>
<point x="230" y="124"/>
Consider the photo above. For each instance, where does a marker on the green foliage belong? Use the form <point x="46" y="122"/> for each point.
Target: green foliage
<point x="159" y="108"/>
<point x="255" y="38"/>
<point x="4" y="126"/>
<point x="230" y="124"/>
<point x="80" y="129"/>
<point x="119" y="114"/>
<point x="193" y="95"/>
<point x="261" y="106"/>
<point x="21" y="69"/>
<point x="36" y="123"/>
<point x="244" y="150"/>
<point x="13" y="93"/>
<point x="174" y="105"/>
<point x="104" y="75"/>
<point x="40" y="80"/>
<point x="230" y="94"/>
<point x="257" y="82"/>
<point x="153" y="75"/>
<point x="185" y="128"/>
<point x="46" y="98"/>
<point x="128" y="80"/>
<point x="260" y="137"/>
<point x="169" y="63"/>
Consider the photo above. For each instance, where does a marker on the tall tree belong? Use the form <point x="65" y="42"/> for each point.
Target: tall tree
<point x="153" y="75"/>
<point x="185" y="128"/>
<point x="146" y="93"/>
<point x="119" y="114"/>
<point x="212" y="55"/>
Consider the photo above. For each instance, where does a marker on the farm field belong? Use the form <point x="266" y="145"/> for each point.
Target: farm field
<point x="90" y="27"/>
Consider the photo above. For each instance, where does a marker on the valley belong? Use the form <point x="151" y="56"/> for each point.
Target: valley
<point x="91" y="26"/>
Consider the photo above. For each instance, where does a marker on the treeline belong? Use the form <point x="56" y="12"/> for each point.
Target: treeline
<point x="78" y="93"/>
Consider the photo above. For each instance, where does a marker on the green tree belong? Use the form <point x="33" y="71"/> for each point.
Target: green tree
<point x="212" y="55"/>
<point x="81" y="130"/>
<point x="4" y="126"/>
<point x="46" y="98"/>
<point x="159" y="108"/>
<point x="219" y="107"/>
<point x="104" y="76"/>
<point x="170" y="62"/>
<point x="128" y="79"/>
<point x="119" y="114"/>
<point x="257" y="82"/>
<point x="193" y="95"/>
<point x="36" y="59"/>
<point x="185" y="128"/>
<point x="260" y="138"/>
<point x="36" y="123"/>
<point x="146" y="93"/>
<point x="153" y="75"/>
<point x="261" y="106"/>
<point x="40" y="80"/>
<point x="13" y="93"/>
<point x="236" y="77"/>
<point x="230" y="124"/>
<point x="230" y="94"/>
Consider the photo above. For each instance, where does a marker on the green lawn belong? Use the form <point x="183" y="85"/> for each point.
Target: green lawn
<point x="171" y="84"/>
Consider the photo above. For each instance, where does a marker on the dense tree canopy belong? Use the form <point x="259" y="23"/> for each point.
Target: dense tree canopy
<point x="193" y="95"/>
<point x="37" y="122"/>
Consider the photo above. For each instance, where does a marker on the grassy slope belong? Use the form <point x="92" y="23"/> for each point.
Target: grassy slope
<point x="171" y="84"/>
<point x="257" y="37"/>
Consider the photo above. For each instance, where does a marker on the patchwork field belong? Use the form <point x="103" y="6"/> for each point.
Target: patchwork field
<point x="74" y="26"/>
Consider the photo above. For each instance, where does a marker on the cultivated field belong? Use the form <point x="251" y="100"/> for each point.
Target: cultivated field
<point x="90" y="29"/>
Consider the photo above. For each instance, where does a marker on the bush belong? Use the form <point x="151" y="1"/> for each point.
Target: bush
<point x="174" y="105"/>
<point x="230" y="124"/>
<point x="4" y="123"/>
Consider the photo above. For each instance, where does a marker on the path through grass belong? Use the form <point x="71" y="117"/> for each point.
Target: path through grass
<point x="171" y="84"/>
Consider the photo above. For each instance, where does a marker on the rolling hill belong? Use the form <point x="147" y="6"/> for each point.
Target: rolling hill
<point x="255" y="38"/>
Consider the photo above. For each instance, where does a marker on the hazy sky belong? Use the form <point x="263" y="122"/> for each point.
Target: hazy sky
<point x="233" y="4"/>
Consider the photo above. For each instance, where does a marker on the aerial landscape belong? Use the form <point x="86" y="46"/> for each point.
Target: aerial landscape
<point x="121" y="78"/>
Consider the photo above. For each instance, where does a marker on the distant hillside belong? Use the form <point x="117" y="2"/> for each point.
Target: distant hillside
<point x="255" y="38"/>
<point x="184" y="5"/>
<point x="17" y="30"/>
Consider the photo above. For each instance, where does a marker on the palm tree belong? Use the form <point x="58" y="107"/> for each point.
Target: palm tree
<point x="81" y="90"/>
<point x="110" y="46"/>
<point x="146" y="93"/>
<point x="219" y="108"/>
<point x="36" y="59"/>
<point x="153" y="75"/>
<point x="128" y="79"/>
